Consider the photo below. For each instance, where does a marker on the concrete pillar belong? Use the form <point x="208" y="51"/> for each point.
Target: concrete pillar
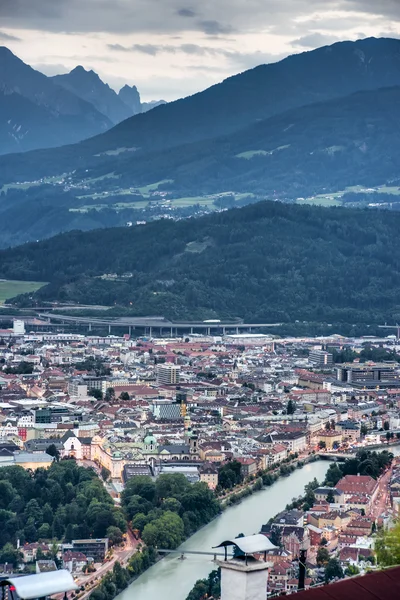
<point x="243" y="582"/>
<point x="90" y="327"/>
<point x="109" y="329"/>
<point x="171" y="331"/>
<point x="130" y="330"/>
<point x="237" y="330"/>
<point x="150" y="331"/>
<point x="191" y="330"/>
<point x="209" y="331"/>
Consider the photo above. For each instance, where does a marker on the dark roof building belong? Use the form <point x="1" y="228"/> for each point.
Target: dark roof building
<point x="381" y="585"/>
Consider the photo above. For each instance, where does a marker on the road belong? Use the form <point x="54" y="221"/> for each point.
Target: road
<point x="122" y="555"/>
<point x="382" y="501"/>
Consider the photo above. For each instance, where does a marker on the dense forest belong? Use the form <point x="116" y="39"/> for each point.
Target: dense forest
<point x="267" y="262"/>
<point x="62" y="503"/>
<point x="168" y="510"/>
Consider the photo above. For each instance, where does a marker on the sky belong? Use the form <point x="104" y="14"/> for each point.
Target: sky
<point x="173" y="48"/>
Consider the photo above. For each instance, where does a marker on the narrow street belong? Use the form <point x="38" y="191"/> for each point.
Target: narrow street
<point x="382" y="501"/>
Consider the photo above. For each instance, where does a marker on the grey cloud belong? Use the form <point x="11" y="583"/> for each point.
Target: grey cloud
<point x="155" y="49"/>
<point x="5" y="37"/>
<point x="214" y="27"/>
<point x="186" y="12"/>
<point x="151" y="49"/>
<point x="213" y="17"/>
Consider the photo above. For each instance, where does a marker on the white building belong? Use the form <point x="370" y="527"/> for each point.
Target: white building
<point x="168" y="374"/>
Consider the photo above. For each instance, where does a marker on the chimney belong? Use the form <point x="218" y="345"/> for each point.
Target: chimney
<point x="245" y="577"/>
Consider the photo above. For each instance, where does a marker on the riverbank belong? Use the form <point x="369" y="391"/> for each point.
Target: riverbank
<point x="174" y="578"/>
<point x="265" y="479"/>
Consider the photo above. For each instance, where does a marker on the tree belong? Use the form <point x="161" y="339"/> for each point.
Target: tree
<point x="10" y="555"/>
<point x="44" y="532"/>
<point x="333" y="475"/>
<point x="105" y="474"/>
<point x="119" y="577"/>
<point x="110" y="394"/>
<point x="290" y="407"/>
<point x="172" y="504"/>
<point x="352" y="570"/>
<point x="323" y="542"/>
<point x="322" y="556"/>
<point x="330" y="497"/>
<point x="171" y="486"/>
<point x="387" y="546"/>
<point x="322" y="444"/>
<point x="333" y="570"/>
<point x="388" y="436"/>
<point x="230" y="474"/>
<point x="363" y="429"/>
<point x="165" y="532"/>
<point x="386" y="426"/>
<point x="141" y="486"/>
<point x="52" y="450"/>
<point x="7" y="493"/>
<point x="124" y="396"/>
<point x="95" y="393"/>
<point x="114" y="534"/>
<point x="140" y="521"/>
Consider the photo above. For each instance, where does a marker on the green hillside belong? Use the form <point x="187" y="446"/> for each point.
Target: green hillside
<point x="266" y="262"/>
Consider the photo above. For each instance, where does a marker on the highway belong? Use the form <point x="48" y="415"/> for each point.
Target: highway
<point x="159" y="323"/>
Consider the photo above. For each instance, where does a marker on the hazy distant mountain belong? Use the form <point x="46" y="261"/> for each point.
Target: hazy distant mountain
<point x="323" y="74"/>
<point x="131" y="98"/>
<point x="37" y="113"/>
<point x="146" y="106"/>
<point x="88" y="86"/>
<point x="316" y="122"/>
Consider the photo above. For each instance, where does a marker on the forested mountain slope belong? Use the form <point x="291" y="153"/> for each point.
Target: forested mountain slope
<point x="325" y="146"/>
<point x="265" y="262"/>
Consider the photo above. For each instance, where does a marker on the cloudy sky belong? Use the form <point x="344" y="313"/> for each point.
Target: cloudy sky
<point x="172" y="48"/>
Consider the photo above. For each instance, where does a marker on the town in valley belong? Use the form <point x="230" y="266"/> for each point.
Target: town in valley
<point x="231" y="412"/>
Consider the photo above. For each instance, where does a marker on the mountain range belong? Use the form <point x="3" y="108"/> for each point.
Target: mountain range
<point x="267" y="262"/>
<point x="39" y="111"/>
<point x="314" y="123"/>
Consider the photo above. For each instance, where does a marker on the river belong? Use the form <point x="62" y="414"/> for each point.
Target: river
<point x="172" y="578"/>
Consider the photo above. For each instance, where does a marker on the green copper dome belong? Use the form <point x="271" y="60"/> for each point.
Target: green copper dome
<point x="150" y="440"/>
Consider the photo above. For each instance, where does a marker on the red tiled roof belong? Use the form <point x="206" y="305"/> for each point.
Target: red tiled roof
<point x="356" y="484"/>
<point x="381" y="585"/>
